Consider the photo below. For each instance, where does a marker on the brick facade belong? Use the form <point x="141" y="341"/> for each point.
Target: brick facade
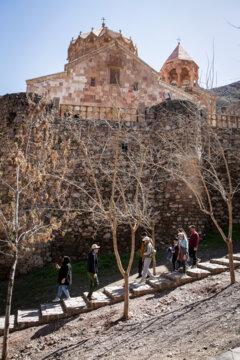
<point x="97" y="60"/>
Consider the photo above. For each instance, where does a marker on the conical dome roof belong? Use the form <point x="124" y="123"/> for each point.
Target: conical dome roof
<point x="179" y="53"/>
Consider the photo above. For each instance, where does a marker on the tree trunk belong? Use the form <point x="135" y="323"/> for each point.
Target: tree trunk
<point x="8" y="307"/>
<point x="153" y="239"/>
<point x="126" y="296"/>
<point x="230" y="256"/>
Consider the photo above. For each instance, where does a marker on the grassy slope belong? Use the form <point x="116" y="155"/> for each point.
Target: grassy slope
<point x="214" y="239"/>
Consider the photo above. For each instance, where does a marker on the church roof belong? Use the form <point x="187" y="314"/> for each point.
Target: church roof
<point x="179" y="53"/>
<point x="102" y="31"/>
<point x="87" y="42"/>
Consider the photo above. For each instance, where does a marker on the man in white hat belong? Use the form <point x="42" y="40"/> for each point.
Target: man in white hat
<point x="92" y="270"/>
<point x="147" y="258"/>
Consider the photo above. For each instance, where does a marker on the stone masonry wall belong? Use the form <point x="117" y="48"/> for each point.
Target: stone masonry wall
<point x="14" y="111"/>
<point x="172" y="202"/>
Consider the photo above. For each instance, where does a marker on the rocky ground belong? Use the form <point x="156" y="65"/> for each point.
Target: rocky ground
<point x="195" y="321"/>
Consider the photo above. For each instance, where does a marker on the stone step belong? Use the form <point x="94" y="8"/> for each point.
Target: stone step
<point x="100" y="299"/>
<point x="198" y="272"/>
<point x="12" y="325"/>
<point x="30" y="317"/>
<point x="161" y="283"/>
<point x="178" y="277"/>
<point x="224" y="261"/>
<point x="142" y="289"/>
<point x="235" y="256"/>
<point x="115" y="292"/>
<point x="76" y="305"/>
<point x="213" y="268"/>
<point x="52" y="311"/>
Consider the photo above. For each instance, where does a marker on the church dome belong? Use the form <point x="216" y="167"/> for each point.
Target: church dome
<point x="95" y="39"/>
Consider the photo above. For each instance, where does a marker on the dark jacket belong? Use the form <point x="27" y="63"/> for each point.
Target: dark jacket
<point x="65" y="272"/>
<point x="92" y="264"/>
<point x="175" y="248"/>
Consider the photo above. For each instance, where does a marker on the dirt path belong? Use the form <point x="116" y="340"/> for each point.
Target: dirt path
<point x="191" y="322"/>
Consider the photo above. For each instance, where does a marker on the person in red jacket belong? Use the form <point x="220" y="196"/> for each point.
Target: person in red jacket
<point x="193" y="244"/>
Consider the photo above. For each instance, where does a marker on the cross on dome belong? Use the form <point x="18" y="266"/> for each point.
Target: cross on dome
<point x="103" y="23"/>
<point x="179" y="40"/>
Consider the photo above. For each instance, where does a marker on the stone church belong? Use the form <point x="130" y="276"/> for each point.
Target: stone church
<point x="104" y="70"/>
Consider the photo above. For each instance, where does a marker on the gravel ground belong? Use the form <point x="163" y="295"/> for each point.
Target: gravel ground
<point x="195" y="321"/>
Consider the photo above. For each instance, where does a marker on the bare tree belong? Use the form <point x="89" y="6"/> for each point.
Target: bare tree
<point x="28" y="196"/>
<point x="198" y="158"/>
<point x="111" y="180"/>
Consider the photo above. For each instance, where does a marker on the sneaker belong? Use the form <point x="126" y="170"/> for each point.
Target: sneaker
<point x="56" y="299"/>
<point x="67" y="298"/>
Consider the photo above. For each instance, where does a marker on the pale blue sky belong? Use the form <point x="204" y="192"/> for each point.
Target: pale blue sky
<point x="35" y="34"/>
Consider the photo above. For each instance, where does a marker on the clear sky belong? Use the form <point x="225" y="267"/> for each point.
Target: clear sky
<point x="35" y="34"/>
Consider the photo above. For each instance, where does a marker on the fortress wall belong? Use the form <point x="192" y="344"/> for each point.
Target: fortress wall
<point x="172" y="203"/>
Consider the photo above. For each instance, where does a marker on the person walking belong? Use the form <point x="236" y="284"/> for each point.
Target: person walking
<point x="183" y="251"/>
<point x="148" y="253"/>
<point x="193" y="245"/>
<point x="64" y="278"/>
<point x="175" y="251"/>
<point x="140" y="262"/>
<point x="92" y="270"/>
<point x="180" y="230"/>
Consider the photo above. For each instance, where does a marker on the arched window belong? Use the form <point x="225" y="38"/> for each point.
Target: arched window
<point x="173" y="76"/>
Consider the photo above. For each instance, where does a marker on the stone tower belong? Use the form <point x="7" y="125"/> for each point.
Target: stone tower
<point x="180" y="69"/>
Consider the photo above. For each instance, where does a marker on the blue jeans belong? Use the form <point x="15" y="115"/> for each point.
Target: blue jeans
<point x="63" y="288"/>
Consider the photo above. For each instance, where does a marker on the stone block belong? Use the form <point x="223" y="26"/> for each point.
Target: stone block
<point x="178" y="278"/>
<point x="225" y="261"/>
<point x="30" y="317"/>
<point x="12" y="325"/>
<point x="161" y="283"/>
<point x="213" y="268"/>
<point x="235" y="256"/>
<point x="115" y="292"/>
<point x="76" y="305"/>
<point x="52" y="311"/>
<point x="99" y="299"/>
<point x="198" y="273"/>
<point x="141" y="289"/>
